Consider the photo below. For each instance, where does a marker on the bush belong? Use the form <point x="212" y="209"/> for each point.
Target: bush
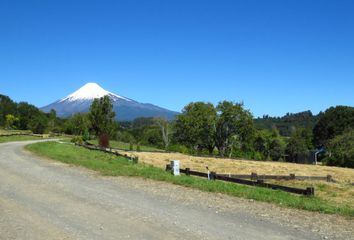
<point x="86" y="135"/>
<point x="258" y="156"/>
<point x="138" y="147"/>
<point x="178" y="148"/>
<point x="77" y="140"/>
<point x="131" y="146"/>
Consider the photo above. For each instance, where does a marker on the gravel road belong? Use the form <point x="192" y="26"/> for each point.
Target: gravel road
<point x="44" y="199"/>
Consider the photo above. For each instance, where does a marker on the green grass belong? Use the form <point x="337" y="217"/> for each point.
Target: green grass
<point x="126" y="146"/>
<point x="17" y="138"/>
<point x="7" y="131"/>
<point x="111" y="165"/>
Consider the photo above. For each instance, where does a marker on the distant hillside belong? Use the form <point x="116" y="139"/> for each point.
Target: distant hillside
<point x="286" y="123"/>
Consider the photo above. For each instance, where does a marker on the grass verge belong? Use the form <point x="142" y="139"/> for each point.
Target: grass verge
<point x="16" y="138"/>
<point x="111" y="165"/>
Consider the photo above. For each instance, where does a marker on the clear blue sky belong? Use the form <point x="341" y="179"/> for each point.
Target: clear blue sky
<point x="275" y="56"/>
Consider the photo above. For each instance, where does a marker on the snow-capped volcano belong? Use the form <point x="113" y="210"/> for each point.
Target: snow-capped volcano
<point x="126" y="109"/>
<point x="91" y="91"/>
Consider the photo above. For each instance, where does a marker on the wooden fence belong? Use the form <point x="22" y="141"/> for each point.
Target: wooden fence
<point x="108" y="150"/>
<point x="310" y="191"/>
<point x="255" y="176"/>
<point x="213" y="176"/>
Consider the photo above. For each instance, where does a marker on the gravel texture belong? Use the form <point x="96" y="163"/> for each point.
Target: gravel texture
<point x="44" y="199"/>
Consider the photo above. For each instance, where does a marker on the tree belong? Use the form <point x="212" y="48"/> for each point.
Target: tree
<point x="276" y="149"/>
<point x="151" y="136"/>
<point x="195" y="127"/>
<point x="102" y="119"/>
<point x="7" y="106"/>
<point x="38" y="124"/>
<point x="27" y="114"/>
<point x="297" y="145"/>
<point x="52" y="121"/>
<point x="78" y="124"/>
<point x="341" y="150"/>
<point x="11" y="121"/>
<point x="233" y="122"/>
<point x="332" y="123"/>
<point x="288" y="122"/>
<point x="163" y="124"/>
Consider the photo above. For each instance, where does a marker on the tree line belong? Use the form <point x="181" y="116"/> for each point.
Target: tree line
<point x="226" y="130"/>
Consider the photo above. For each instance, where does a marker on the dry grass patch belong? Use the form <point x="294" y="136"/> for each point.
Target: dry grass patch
<point x="344" y="175"/>
<point x="338" y="193"/>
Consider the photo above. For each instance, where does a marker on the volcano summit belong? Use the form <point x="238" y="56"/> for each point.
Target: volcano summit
<point x="126" y="109"/>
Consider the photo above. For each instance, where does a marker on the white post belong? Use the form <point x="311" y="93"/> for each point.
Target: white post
<point x="175" y="167"/>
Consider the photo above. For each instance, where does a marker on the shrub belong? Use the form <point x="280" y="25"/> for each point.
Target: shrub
<point x="86" y="135"/>
<point x="258" y="156"/>
<point x="178" y="148"/>
<point x="77" y="140"/>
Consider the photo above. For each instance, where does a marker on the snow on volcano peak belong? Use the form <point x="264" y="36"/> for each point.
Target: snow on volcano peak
<point x="90" y="91"/>
<point x="126" y="109"/>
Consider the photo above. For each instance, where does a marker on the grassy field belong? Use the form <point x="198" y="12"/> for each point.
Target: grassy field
<point x="341" y="192"/>
<point x="126" y="146"/>
<point x="111" y="165"/>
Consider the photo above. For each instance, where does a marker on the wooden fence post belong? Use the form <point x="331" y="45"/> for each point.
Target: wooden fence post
<point x="329" y="178"/>
<point x="260" y="182"/>
<point x="254" y="176"/>
<point x="213" y="176"/>
<point x="168" y="167"/>
<point x="310" y="191"/>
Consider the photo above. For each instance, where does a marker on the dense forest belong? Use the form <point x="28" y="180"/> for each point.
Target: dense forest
<point x="288" y="123"/>
<point x="225" y="130"/>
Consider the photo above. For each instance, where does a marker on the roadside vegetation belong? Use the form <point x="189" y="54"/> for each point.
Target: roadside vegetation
<point x="204" y="129"/>
<point x="227" y="131"/>
<point x="110" y="165"/>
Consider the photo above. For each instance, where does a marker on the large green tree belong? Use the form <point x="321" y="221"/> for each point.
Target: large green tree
<point x="333" y="122"/>
<point x="38" y="123"/>
<point x="102" y="119"/>
<point x="341" y="150"/>
<point x="28" y="114"/>
<point x="234" y="126"/>
<point x="196" y="126"/>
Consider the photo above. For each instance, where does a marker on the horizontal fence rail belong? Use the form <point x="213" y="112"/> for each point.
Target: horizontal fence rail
<point x="255" y="176"/>
<point x="127" y="150"/>
<point x="107" y="150"/>
<point x="310" y="191"/>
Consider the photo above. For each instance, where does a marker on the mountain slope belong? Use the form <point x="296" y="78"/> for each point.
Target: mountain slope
<point x="126" y="109"/>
